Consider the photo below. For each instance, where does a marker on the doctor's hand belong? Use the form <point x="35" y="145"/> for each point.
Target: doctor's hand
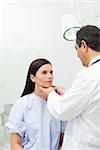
<point x="59" y="90"/>
<point x="45" y="91"/>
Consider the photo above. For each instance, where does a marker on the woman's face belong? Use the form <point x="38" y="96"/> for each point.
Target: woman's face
<point x="44" y="76"/>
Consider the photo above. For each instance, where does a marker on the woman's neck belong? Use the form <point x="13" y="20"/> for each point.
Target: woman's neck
<point x="39" y="93"/>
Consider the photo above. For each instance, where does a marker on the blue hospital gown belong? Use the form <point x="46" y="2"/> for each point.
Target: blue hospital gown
<point x="30" y="118"/>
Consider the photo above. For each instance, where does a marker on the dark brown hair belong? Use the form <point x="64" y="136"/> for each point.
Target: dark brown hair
<point x="34" y="66"/>
<point x="91" y="35"/>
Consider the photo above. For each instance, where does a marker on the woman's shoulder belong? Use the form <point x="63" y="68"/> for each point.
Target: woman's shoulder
<point x="28" y="101"/>
<point x="22" y="101"/>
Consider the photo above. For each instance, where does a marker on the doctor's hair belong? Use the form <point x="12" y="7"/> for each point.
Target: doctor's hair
<point x="33" y="68"/>
<point x="91" y="35"/>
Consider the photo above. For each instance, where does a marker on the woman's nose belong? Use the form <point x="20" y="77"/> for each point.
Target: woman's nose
<point x="49" y="75"/>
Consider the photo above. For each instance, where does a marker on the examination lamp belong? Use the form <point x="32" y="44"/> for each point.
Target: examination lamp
<point x="70" y="25"/>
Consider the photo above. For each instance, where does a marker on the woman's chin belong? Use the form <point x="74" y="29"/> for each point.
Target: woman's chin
<point x="46" y="86"/>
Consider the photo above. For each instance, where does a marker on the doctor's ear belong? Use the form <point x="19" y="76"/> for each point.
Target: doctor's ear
<point x="83" y="43"/>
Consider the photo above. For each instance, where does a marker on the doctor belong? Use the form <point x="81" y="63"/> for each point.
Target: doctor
<point x="80" y="105"/>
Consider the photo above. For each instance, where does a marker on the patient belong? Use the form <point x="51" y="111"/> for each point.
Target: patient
<point x="30" y="124"/>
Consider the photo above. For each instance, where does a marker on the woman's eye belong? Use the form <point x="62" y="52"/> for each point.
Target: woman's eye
<point x="51" y="72"/>
<point x="44" y="72"/>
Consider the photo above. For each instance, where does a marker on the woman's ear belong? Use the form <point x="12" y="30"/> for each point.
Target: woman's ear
<point x="32" y="77"/>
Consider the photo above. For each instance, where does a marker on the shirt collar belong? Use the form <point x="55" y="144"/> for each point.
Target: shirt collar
<point x="93" y="60"/>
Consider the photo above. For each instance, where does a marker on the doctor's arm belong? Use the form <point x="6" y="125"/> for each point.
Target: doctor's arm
<point x="74" y="101"/>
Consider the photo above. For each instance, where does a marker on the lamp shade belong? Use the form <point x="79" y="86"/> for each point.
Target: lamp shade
<point x="70" y="25"/>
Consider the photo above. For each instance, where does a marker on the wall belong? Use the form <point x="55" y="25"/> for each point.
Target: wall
<point x="30" y="29"/>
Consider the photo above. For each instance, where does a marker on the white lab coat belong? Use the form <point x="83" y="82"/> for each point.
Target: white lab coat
<point x="80" y="106"/>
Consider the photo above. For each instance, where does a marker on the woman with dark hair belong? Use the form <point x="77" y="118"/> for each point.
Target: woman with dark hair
<point x="30" y="124"/>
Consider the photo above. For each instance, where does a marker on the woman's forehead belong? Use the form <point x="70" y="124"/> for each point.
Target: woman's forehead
<point x="45" y="67"/>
